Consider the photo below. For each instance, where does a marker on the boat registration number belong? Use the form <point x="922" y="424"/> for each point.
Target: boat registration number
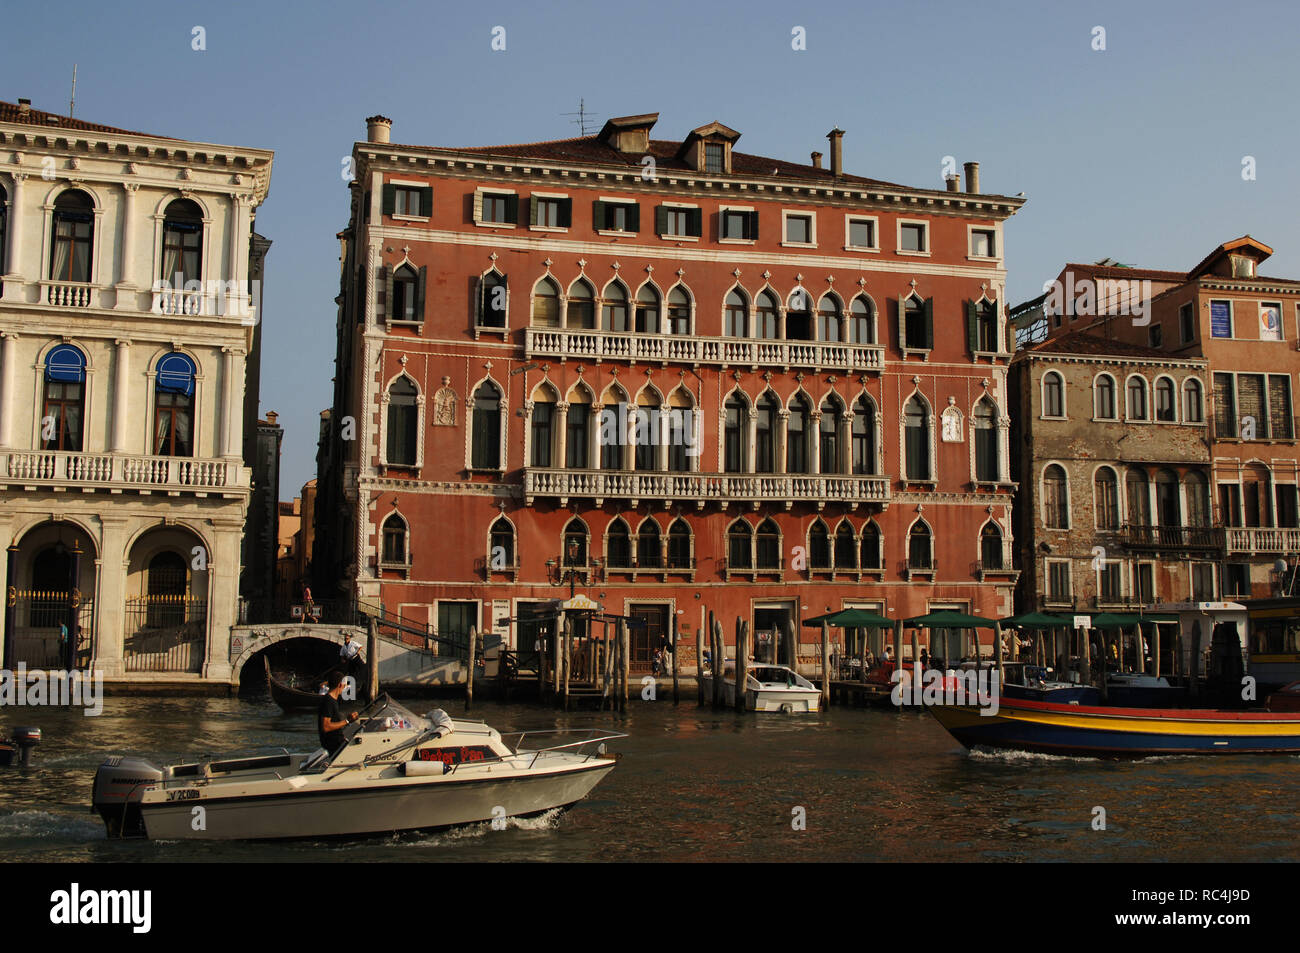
<point x="456" y="755"/>
<point x="185" y="794"/>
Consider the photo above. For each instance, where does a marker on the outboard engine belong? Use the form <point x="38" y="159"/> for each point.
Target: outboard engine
<point x="119" y="782"/>
<point x="26" y="739"/>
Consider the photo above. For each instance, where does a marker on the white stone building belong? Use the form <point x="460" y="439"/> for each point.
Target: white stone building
<point x="126" y="318"/>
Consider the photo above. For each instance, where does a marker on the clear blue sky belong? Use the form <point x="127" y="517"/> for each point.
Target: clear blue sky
<point x="1133" y="153"/>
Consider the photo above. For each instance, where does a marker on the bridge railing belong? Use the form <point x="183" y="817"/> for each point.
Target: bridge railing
<point x="389" y="624"/>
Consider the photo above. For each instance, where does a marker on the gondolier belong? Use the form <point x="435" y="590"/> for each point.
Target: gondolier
<point x="350" y="656"/>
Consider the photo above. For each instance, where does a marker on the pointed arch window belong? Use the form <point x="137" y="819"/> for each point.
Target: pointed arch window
<point x="919" y="555"/>
<point x="828" y="452"/>
<point x="766" y="316"/>
<point x="65" y="396"/>
<point x="580" y="315"/>
<point x="768" y="545"/>
<point x="542" y="434"/>
<point x="871" y="555"/>
<point x="618" y="545"/>
<point x="493" y="295"/>
<point x="485" y="438"/>
<point x="395" y="548"/>
<point x="1105" y="488"/>
<point x="846" y="547"/>
<point x="733" y="443"/>
<point x="575" y="543"/>
<point x="679" y="545"/>
<point x="991" y="547"/>
<point x="404" y="303"/>
<point x="735" y="315"/>
<point x="862" y="322"/>
<point x="797" y="437"/>
<point x="798" y="316"/>
<point x="819" y="546"/>
<point x="611" y="430"/>
<point x="864" y="437"/>
<point x="649" y="554"/>
<point x="986" y="442"/>
<point x="71" y="250"/>
<point x="646" y="430"/>
<point x="174" y="406"/>
<point x="403" y="423"/>
<point x="546" y="304"/>
<point x="918" y="324"/>
<point x="916" y="425"/>
<point x="647" y="310"/>
<point x="765" y="435"/>
<point x="501" y="539"/>
<point x="739" y="546"/>
<point x="614" y="316"/>
<point x="182" y="243"/>
<point x="830" y="320"/>
<point x="679" y="311"/>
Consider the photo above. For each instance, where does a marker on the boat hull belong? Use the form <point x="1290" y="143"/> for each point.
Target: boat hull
<point x="1048" y="728"/>
<point x="411" y="805"/>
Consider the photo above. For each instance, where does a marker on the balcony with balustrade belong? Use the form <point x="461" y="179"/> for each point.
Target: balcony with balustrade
<point x="58" y="470"/>
<point x="1173" y="540"/>
<point x="722" y="352"/>
<point x="1262" y="540"/>
<point x="703" y="488"/>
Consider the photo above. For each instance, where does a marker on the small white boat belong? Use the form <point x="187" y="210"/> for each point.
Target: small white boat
<point x="770" y="688"/>
<point x="396" y="772"/>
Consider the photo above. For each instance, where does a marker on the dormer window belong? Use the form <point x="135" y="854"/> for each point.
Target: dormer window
<point x="715" y="157"/>
<point x="1243" y="267"/>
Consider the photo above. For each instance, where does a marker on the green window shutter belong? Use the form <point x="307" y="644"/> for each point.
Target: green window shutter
<point x="634" y="218"/>
<point x="390" y="199"/>
<point x="695" y="222"/>
<point x="478" y="206"/>
<point x="565" y="217"/>
<point x="419" y="293"/>
<point x="598" y="215"/>
<point x="512" y="209"/>
<point x="902" y="321"/>
<point x="426" y="201"/>
<point x="929" y="322"/>
<point x="388" y="291"/>
<point x="661" y="220"/>
<point x="972" y="327"/>
<point x="532" y="210"/>
<point x="751" y="225"/>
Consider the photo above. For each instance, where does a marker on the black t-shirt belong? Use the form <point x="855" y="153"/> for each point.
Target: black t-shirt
<point x="329" y="708"/>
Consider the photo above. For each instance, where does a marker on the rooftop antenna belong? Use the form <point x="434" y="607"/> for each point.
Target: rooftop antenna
<point x="584" y="117"/>
<point x="72" y="103"/>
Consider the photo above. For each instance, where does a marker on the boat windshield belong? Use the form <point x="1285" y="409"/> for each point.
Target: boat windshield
<point x="384" y="714"/>
<point x="774" y="675"/>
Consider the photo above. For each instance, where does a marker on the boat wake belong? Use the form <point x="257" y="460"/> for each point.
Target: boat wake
<point x="43" y="824"/>
<point x="980" y="753"/>
<point x="470" y="832"/>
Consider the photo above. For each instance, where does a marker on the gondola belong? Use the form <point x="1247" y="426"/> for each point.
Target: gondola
<point x="289" y="698"/>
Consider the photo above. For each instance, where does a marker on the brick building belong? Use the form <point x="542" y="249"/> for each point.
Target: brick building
<point x="1247" y="327"/>
<point x="1111" y="450"/>
<point x="692" y="378"/>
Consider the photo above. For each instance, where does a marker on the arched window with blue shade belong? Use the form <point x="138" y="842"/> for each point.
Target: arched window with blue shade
<point x="65" y="394"/>
<point x="174" y="406"/>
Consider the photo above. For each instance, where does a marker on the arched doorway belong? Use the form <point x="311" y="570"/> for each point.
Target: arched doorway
<point x="49" y="612"/>
<point x="166" y="617"/>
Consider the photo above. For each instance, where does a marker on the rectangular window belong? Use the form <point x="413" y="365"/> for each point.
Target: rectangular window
<point x="1225" y="406"/>
<point x="1236" y="580"/>
<point x="1279" y="407"/>
<point x="616" y="216"/>
<point x="1270" y="321"/>
<point x="798" y="229"/>
<point x="1146" y="584"/>
<point x="1058" y="581"/>
<point x="455" y="620"/>
<point x="1287" y="514"/>
<point x="407" y="201"/>
<point x="912" y="238"/>
<point x="1112" y="588"/>
<point x="1155" y="336"/>
<point x="981" y="243"/>
<point x="1251" y="406"/>
<point x="862" y="233"/>
<point x="1203" y="582"/>
<point x="551" y="212"/>
<point x="1230" y="504"/>
<point x="677" y="222"/>
<point x="714" y="157"/>
<point x="1221" y="319"/>
<point x="739" y="225"/>
<point x="496" y="208"/>
<point x="1187" y="323"/>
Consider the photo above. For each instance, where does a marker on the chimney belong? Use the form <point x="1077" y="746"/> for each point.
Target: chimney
<point x="24" y="106"/>
<point x="271" y="418"/>
<point x="378" y="128"/>
<point x="972" y="177"/>
<point x="953" y="182"/>
<point x="817" y="160"/>
<point x="836" y="136"/>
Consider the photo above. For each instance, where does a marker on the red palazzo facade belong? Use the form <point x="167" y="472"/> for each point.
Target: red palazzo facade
<point x="674" y="376"/>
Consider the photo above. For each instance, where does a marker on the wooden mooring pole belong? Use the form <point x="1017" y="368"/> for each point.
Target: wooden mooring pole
<point x="372" y="659"/>
<point x="699" y="666"/>
<point x="568" y="657"/>
<point x="623" y="646"/>
<point x="676" y="645"/>
<point x="742" y="662"/>
<point x="719" y="663"/>
<point x="826" y="665"/>
<point x="469" y="675"/>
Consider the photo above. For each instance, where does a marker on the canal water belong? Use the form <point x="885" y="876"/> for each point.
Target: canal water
<point x="697" y="785"/>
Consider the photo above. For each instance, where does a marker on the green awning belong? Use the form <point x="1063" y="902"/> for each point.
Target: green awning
<point x="949" y="620"/>
<point x="1118" y="620"/>
<point x="1037" y="620"/>
<point x="850" y="619"/>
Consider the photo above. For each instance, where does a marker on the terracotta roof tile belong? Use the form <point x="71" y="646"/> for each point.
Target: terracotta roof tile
<point x="1109" y="271"/>
<point x="1076" y="342"/>
<point x="10" y="112"/>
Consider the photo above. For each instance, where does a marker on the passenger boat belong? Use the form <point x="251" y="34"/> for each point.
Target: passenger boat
<point x="396" y="772"/>
<point x="770" y="688"/>
<point x="1024" y="725"/>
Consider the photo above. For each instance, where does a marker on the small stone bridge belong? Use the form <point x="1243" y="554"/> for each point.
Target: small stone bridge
<point x="400" y="664"/>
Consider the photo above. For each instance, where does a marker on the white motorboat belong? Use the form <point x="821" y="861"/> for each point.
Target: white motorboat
<point x="396" y="772"/>
<point x="770" y="688"/>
